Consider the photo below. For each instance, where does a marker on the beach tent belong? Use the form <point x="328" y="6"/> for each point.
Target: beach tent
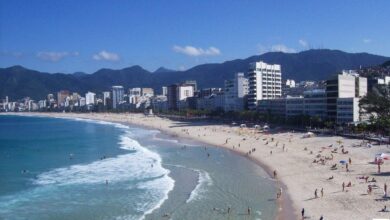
<point x="343" y="161"/>
<point x="266" y="128"/>
<point x="257" y="126"/>
<point x="308" y="134"/>
<point x="242" y="125"/>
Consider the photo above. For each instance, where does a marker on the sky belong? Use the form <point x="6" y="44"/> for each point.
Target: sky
<point x="73" y="35"/>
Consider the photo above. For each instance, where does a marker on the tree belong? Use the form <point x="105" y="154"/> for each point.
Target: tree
<point x="377" y="104"/>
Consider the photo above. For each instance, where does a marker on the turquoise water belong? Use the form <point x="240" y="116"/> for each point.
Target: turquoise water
<point x="55" y="168"/>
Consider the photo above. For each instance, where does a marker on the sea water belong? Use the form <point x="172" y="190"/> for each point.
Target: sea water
<point x="53" y="168"/>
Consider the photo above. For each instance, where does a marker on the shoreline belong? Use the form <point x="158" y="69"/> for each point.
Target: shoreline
<point x="296" y="173"/>
<point x="284" y="208"/>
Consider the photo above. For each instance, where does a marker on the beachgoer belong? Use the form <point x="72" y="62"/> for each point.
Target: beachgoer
<point x="106" y="182"/>
<point x="275" y="174"/>
<point x="350" y="161"/>
<point x="303" y="213"/>
<point x="249" y="211"/>
<point x="379" y="167"/>
<point x="385" y="189"/>
<point x="321" y="218"/>
<point x="315" y="194"/>
<point x="346" y="167"/>
<point x="384" y="209"/>
<point x="343" y="186"/>
<point x="270" y="152"/>
<point x="228" y="210"/>
<point x="322" y="192"/>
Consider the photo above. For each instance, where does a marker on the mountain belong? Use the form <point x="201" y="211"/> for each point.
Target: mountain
<point x="18" y="82"/>
<point x="162" y="70"/>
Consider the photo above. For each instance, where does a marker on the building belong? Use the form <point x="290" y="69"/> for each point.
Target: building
<point x="106" y="97"/>
<point x="339" y="102"/>
<point x="290" y="83"/>
<point x="159" y="103"/>
<point x="192" y="83"/>
<point x="347" y="110"/>
<point x="82" y="102"/>
<point x="348" y="84"/>
<point x="117" y="96"/>
<point x="184" y="91"/>
<point x="265" y="82"/>
<point x="235" y="91"/>
<point x="90" y="98"/>
<point x="148" y="92"/>
<point x="42" y="104"/>
<point x="61" y="97"/>
<point x="172" y="97"/>
<point x="135" y="92"/>
<point x="178" y="94"/>
<point x="164" y="90"/>
<point x="212" y="102"/>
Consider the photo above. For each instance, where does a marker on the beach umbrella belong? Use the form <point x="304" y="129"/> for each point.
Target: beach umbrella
<point x="343" y="161"/>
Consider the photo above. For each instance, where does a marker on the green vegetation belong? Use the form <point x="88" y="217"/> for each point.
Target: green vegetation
<point x="377" y="104"/>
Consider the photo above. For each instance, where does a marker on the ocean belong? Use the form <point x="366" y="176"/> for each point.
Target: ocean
<point x="56" y="168"/>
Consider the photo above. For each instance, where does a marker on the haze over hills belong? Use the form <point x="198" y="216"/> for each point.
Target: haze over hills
<point x="18" y="82"/>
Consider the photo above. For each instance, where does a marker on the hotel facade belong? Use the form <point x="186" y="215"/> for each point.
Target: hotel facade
<point x="265" y="82"/>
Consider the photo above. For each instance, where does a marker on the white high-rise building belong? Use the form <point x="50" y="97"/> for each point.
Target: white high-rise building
<point x="82" y="101"/>
<point x="184" y="91"/>
<point x="106" y="95"/>
<point x="265" y="82"/>
<point x="164" y="91"/>
<point x="117" y="96"/>
<point x="343" y="95"/>
<point x="90" y="98"/>
<point x="235" y="90"/>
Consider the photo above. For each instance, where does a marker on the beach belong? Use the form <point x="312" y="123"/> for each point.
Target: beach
<point x="302" y="165"/>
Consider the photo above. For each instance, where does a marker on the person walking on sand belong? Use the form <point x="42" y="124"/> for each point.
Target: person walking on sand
<point x="385" y="189"/>
<point x="343" y="186"/>
<point x="350" y="161"/>
<point x="321" y="218"/>
<point x="322" y="192"/>
<point x="346" y="167"/>
<point x="275" y="174"/>
<point x="303" y="213"/>
<point x="315" y="193"/>
<point x="379" y="167"/>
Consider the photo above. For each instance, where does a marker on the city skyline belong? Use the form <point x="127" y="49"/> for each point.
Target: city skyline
<point x="58" y="37"/>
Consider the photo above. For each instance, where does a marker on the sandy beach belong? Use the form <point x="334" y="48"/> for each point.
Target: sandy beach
<point x="302" y="165"/>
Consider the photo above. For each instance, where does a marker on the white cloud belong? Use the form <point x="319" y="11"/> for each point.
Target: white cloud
<point x="274" y="48"/>
<point x="282" y="48"/>
<point x="303" y="43"/>
<point x="367" y="40"/>
<point x="105" y="55"/>
<point x="193" y="51"/>
<point x="52" y="56"/>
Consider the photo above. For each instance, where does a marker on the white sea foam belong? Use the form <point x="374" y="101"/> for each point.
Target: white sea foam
<point x="204" y="180"/>
<point x="139" y="166"/>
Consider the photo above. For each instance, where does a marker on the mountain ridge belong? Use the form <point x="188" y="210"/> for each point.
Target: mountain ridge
<point x="18" y="81"/>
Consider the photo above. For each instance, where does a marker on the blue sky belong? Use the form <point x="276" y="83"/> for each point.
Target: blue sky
<point x="73" y="35"/>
